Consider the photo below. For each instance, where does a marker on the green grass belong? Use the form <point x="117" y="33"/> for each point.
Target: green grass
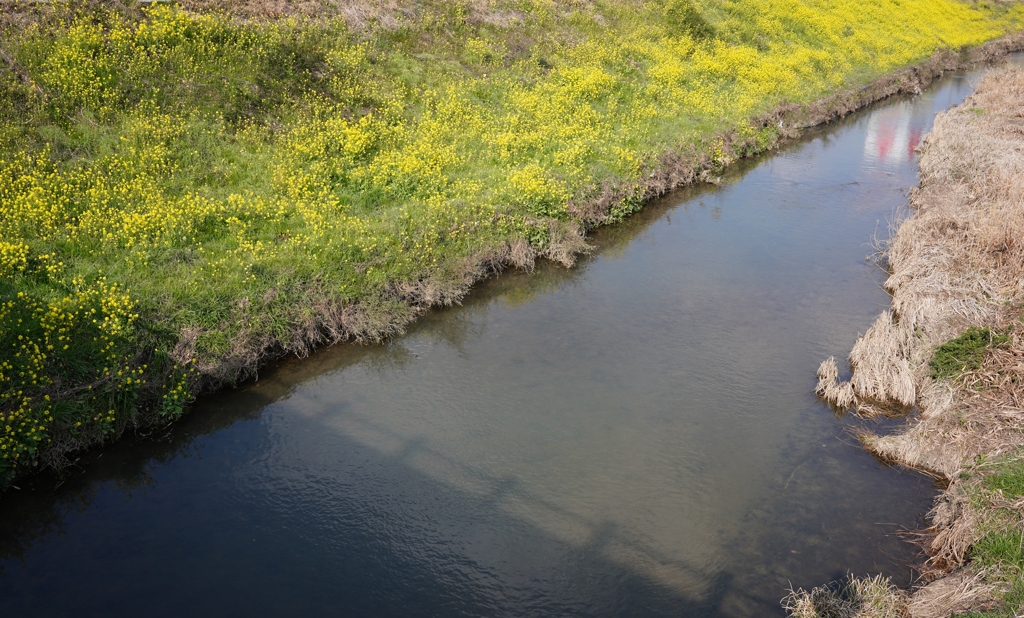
<point x="1001" y="549"/>
<point x="183" y="194"/>
<point x="1002" y="552"/>
<point x="963" y="353"/>
<point x="1008" y="478"/>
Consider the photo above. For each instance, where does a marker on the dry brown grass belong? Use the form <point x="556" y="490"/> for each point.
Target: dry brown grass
<point x="867" y="597"/>
<point x="960" y="592"/>
<point x="878" y="597"/>
<point x="839" y="394"/>
<point x="957" y="262"/>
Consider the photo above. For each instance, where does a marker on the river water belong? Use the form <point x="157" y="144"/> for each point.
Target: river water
<point x="635" y="436"/>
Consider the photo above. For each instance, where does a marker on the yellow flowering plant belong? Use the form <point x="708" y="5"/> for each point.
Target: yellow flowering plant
<point x="183" y="193"/>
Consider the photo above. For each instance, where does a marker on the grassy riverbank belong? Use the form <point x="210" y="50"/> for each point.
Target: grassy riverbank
<point x="952" y="346"/>
<point x="185" y="193"/>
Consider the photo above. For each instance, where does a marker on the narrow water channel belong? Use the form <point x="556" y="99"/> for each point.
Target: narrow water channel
<point x="635" y="436"/>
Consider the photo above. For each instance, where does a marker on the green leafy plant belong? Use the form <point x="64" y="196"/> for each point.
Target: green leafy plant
<point x="964" y="353"/>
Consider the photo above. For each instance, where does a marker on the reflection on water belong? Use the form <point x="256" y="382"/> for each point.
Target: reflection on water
<point x="636" y="436"/>
<point x="894" y="132"/>
<point x="892" y="137"/>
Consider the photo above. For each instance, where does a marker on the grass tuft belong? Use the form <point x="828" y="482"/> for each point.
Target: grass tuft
<point x="854" y="597"/>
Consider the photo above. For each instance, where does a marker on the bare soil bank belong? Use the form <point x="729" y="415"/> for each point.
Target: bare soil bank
<point x="951" y="353"/>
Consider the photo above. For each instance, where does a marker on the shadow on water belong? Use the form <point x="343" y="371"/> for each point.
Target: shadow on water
<point x="589" y="583"/>
<point x="635" y="436"/>
<point x="255" y="582"/>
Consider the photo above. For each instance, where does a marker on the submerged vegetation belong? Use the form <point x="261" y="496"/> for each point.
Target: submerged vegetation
<point x="183" y="192"/>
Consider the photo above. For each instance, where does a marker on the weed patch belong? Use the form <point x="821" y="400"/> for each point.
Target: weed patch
<point x="964" y="353"/>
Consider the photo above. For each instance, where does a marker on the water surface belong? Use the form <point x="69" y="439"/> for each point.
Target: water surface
<point x="634" y="436"/>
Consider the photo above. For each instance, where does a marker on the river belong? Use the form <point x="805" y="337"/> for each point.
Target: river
<point x="634" y="436"/>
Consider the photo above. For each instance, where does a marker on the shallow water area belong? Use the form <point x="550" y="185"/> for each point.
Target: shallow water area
<point x="635" y="436"/>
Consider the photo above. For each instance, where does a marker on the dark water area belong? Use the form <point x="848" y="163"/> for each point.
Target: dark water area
<point x="636" y="436"/>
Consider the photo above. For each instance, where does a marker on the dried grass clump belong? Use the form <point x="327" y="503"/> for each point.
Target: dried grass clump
<point x="979" y="414"/>
<point x="840" y="394"/>
<point x="961" y="592"/>
<point x="955" y="523"/>
<point x="881" y="363"/>
<point x="857" y="597"/>
<point x="957" y="262"/>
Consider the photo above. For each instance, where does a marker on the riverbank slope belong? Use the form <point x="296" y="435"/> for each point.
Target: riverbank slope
<point x="185" y="194"/>
<point x="951" y="353"/>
